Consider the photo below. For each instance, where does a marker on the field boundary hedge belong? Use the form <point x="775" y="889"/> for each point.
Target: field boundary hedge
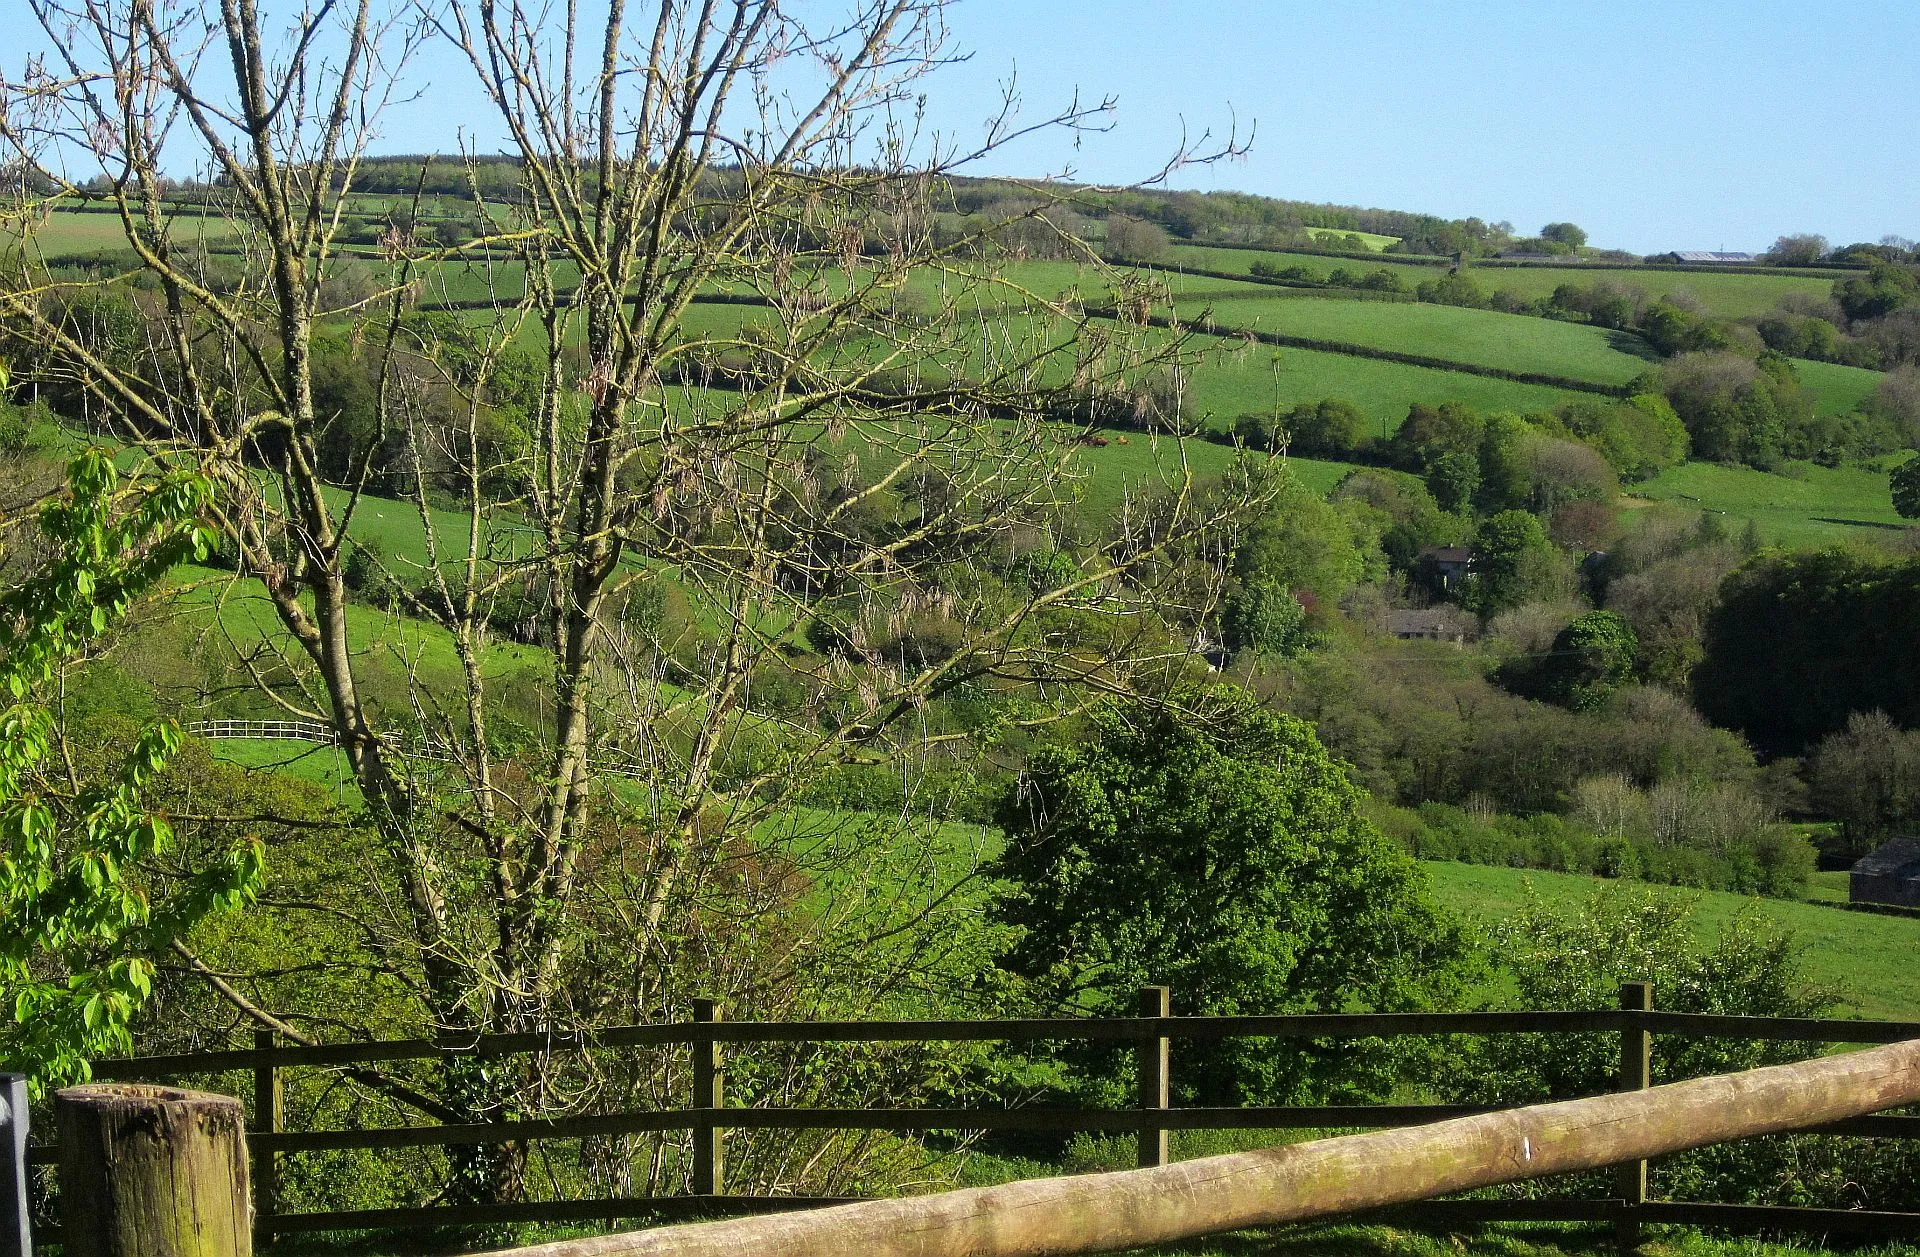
<point x="1826" y="271"/>
<point x="1295" y="287"/>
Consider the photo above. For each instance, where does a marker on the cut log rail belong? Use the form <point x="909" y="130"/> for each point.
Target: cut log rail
<point x="1098" y="1213"/>
<point x="1155" y="1038"/>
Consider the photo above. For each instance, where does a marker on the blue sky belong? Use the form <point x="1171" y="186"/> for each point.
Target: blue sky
<point x="1656" y="126"/>
<point x="1705" y="124"/>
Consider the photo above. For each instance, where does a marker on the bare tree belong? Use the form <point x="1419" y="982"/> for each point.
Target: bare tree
<point x="754" y="371"/>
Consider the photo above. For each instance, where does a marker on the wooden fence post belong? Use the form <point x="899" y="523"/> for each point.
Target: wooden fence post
<point x="268" y="1117"/>
<point x="152" y="1172"/>
<point x="709" y="1092"/>
<point x="1636" y="1074"/>
<point x="1153" y="1058"/>
<point x="15" y="1241"/>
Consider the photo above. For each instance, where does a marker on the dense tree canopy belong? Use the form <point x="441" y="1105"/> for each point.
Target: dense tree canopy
<point x="1592" y="657"/>
<point x="1514" y="563"/>
<point x="1905" y="483"/>
<point x="1570" y="234"/>
<point x="1801" y="641"/>
<point x="1215" y="847"/>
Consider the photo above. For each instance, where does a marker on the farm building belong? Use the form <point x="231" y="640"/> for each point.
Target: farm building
<point x="1889" y="875"/>
<point x="1699" y="256"/>
<point x="1433" y="624"/>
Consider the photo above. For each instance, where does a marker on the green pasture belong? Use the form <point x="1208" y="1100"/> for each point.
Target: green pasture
<point x="68" y="231"/>
<point x="1812" y="506"/>
<point x="1730" y="295"/>
<point x="1333" y="236"/>
<point x="1319" y="266"/>
<point x="971" y="287"/>
<point x="1871" y="961"/>
<point x="1836" y="390"/>
<point x="215" y="607"/>
<point x="1488" y="338"/>
<point x="1133" y="463"/>
<point x="1236" y="378"/>
<point x="1232" y="378"/>
<point x="1726" y="295"/>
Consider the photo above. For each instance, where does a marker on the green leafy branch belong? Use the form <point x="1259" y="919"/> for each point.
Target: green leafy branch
<point x="81" y="919"/>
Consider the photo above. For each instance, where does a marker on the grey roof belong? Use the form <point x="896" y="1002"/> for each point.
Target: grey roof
<point x="1448" y="554"/>
<point x="1429" y="620"/>
<point x="1696" y="255"/>
<point x="1899" y="858"/>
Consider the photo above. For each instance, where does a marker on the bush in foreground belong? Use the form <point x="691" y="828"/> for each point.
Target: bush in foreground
<point x="1211" y="845"/>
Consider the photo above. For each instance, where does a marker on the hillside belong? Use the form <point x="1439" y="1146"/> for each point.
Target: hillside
<point x="1477" y="337"/>
<point x="1871" y="961"/>
<point x="1812" y="506"/>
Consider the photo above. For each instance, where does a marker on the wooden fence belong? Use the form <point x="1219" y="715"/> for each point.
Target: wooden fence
<point x="1152" y="1033"/>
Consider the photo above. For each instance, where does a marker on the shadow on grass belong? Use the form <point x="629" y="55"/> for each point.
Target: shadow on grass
<point x="1861" y="523"/>
<point x="1632" y="343"/>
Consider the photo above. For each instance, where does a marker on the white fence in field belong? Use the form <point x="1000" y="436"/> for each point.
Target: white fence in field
<point x="325" y="735"/>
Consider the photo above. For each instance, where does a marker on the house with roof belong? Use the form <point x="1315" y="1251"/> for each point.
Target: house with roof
<point x="1443" y="567"/>
<point x="1430" y="624"/>
<point x="1890" y="874"/>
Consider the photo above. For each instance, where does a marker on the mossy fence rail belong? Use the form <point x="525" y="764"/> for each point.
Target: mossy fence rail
<point x="1152" y="1032"/>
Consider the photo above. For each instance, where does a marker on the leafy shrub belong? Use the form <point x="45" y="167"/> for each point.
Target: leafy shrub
<point x="1577" y="960"/>
<point x="1211" y="845"/>
<point x="1265" y="619"/>
<point x="1453" y="289"/>
<point x="1639" y="437"/>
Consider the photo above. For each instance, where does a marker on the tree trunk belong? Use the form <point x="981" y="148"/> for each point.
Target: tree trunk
<point x="153" y="1172"/>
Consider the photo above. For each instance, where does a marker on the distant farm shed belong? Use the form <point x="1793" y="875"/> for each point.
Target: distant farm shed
<point x="1715" y="259"/>
<point x="1890" y="875"/>
<point x="1434" y="624"/>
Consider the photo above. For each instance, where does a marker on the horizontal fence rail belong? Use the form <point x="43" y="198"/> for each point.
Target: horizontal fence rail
<point x="707" y="1117"/>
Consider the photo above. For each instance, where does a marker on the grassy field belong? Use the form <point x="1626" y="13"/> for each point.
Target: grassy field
<point x="1813" y="506"/>
<point x="1482" y="337"/>
<point x="1238" y="378"/>
<point x="478" y="279"/>
<point x="1872" y="960"/>
<point x="1133" y="463"/>
<point x="1333" y="236"/>
<point x="1319" y="266"/>
<point x="1730" y="295"/>
<point x="69" y="232"/>
<point x="1837" y="390"/>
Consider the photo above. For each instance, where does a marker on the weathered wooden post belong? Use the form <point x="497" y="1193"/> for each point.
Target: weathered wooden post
<point x="1636" y="1074"/>
<point x="268" y="1117"/>
<point x="709" y="1093"/>
<point x="15" y="1239"/>
<point x="1154" y="1061"/>
<point x="151" y="1171"/>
